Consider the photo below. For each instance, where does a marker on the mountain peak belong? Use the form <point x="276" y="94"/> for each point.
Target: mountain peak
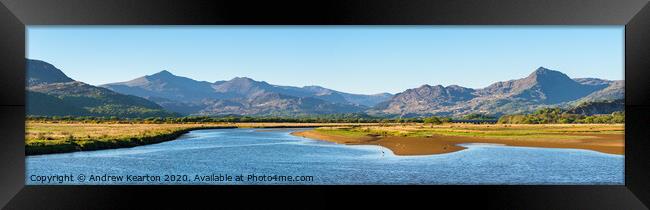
<point x="541" y="71"/>
<point x="39" y="72"/>
<point x="313" y="87"/>
<point x="543" y="74"/>
<point x="552" y="87"/>
<point x="242" y="79"/>
<point x="433" y="87"/>
<point x="163" y="73"/>
<point x="247" y="81"/>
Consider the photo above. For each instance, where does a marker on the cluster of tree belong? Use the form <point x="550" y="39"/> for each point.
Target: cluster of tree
<point x="329" y="118"/>
<point x="93" y="102"/>
<point x="434" y="120"/>
<point x="333" y="118"/>
<point x="478" y="117"/>
<point x="557" y="115"/>
<point x="541" y="116"/>
<point x="598" y="107"/>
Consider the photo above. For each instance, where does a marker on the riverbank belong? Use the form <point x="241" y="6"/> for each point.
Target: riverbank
<point x="49" y="138"/>
<point x="427" y="140"/>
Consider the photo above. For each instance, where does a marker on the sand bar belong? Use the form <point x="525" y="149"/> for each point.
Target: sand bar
<point x="438" y="144"/>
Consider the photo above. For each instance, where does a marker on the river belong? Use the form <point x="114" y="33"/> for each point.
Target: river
<point x="274" y="156"/>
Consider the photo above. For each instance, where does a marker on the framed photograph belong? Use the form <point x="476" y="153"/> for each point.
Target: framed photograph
<point x="510" y="104"/>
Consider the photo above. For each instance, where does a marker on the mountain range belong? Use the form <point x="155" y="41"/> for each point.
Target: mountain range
<point x="242" y="96"/>
<point x="542" y="88"/>
<point x="165" y="93"/>
<point x="51" y="93"/>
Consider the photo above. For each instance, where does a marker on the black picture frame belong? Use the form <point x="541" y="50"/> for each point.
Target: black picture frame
<point x="634" y="14"/>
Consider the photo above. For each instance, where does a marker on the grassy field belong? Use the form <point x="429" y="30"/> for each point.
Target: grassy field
<point x="45" y="138"/>
<point x="420" y="139"/>
<point x="53" y="137"/>
<point x="502" y="131"/>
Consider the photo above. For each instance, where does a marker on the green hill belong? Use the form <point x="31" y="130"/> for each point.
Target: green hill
<point x="46" y="105"/>
<point x="599" y="107"/>
<point x="57" y="97"/>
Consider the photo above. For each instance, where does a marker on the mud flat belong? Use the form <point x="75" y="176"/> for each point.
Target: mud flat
<point x="610" y="143"/>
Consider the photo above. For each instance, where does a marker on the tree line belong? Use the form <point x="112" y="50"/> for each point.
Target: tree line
<point x="222" y="119"/>
<point x="541" y="116"/>
<point x="334" y="118"/>
<point x="557" y="115"/>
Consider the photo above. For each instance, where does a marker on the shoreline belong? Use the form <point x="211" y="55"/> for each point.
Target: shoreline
<point x="43" y="148"/>
<point x="32" y="150"/>
<point x="441" y="144"/>
<point x="52" y="138"/>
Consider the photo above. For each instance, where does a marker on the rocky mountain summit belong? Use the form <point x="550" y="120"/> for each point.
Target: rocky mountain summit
<point x="543" y="87"/>
<point x="51" y="92"/>
<point x="242" y="95"/>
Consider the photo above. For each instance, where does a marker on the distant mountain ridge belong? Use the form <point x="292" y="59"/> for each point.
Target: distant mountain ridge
<point x="543" y="87"/>
<point x="242" y="95"/>
<point x="598" y="107"/>
<point x="613" y="91"/>
<point x="50" y="91"/>
<point x="164" y="85"/>
<point x="40" y="72"/>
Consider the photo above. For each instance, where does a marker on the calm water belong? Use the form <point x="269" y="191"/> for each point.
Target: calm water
<point x="265" y="153"/>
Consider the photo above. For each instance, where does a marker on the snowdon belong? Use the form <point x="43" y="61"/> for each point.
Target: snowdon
<point x="164" y="94"/>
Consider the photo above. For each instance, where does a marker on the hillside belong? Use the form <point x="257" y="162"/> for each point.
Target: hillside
<point x="163" y="93"/>
<point x="52" y="93"/>
<point x="542" y="88"/>
<point x="600" y="107"/>
<point x="40" y="72"/>
<point x="242" y="95"/>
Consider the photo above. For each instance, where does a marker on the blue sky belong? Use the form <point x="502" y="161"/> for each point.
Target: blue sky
<point x="356" y="59"/>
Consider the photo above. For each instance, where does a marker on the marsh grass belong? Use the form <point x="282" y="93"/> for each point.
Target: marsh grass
<point x="44" y="138"/>
<point x="555" y="131"/>
<point x="57" y="137"/>
<point x="53" y="137"/>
